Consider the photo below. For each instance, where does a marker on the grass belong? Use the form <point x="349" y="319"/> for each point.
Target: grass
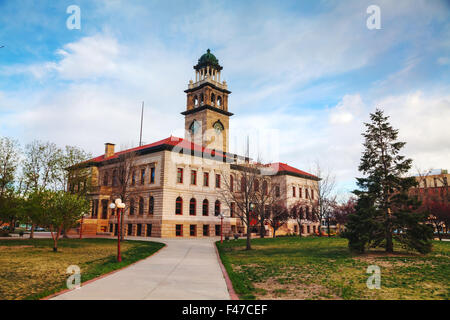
<point x="29" y="269"/>
<point x="323" y="268"/>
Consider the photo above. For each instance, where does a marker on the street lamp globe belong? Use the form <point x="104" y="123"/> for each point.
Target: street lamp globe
<point x="118" y="200"/>
<point x="121" y="205"/>
<point x="112" y="206"/>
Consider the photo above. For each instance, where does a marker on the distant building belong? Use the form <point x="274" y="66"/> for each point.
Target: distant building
<point x="175" y="186"/>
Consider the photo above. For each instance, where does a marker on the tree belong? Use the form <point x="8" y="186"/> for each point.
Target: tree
<point x="277" y="217"/>
<point x="11" y="204"/>
<point x="61" y="210"/>
<point x="121" y="180"/>
<point x="70" y="156"/>
<point x="298" y="214"/>
<point x="240" y="190"/>
<point x="322" y="203"/>
<point x="341" y="211"/>
<point x="9" y="161"/>
<point x="383" y="204"/>
<point x="41" y="165"/>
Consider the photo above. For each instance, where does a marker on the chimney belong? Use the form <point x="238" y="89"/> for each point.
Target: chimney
<point x="109" y="149"/>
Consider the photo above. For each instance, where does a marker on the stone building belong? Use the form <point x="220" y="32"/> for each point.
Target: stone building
<point x="175" y="183"/>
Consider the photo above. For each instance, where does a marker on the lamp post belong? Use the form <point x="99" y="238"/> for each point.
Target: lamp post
<point x="119" y="205"/>
<point x="221" y="216"/>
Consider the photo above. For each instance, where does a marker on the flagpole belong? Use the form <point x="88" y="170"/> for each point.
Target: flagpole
<point x="142" y="121"/>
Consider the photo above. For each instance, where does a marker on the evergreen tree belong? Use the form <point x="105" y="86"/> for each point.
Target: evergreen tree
<point x="384" y="210"/>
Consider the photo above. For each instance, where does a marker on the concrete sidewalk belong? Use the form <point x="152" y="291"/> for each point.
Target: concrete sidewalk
<point x="184" y="269"/>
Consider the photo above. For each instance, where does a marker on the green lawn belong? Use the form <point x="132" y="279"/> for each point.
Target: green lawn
<point x="323" y="268"/>
<point x="29" y="269"/>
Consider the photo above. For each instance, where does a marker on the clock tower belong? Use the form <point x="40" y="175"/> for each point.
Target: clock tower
<point x="206" y="115"/>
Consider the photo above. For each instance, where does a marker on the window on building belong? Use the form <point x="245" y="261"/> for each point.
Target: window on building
<point x="180" y="175"/>
<point x="206" y="230"/>
<point x="445" y="181"/>
<point x="149" y="230"/>
<point x="295" y="229"/>
<point x="151" y="205"/>
<point x="302" y="213"/>
<point x="133" y="178"/>
<point x="232" y="209"/>
<point x="130" y="229"/>
<point x="265" y="188"/>
<point x="256" y="185"/>
<point x="139" y="229"/>
<point x="307" y="193"/>
<point x="277" y="191"/>
<point x="105" y="179"/>
<point x="104" y="209"/>
<point x="308" y="217"/>
<point x="192" y="207"/>
<point x="206" y="179"/>
<point x="424" y="183"/>
<point x="435" y="182"/>
<point x="179" y="206"/>
<point x="217" y="229"/>
<point x="152" y="175"/>
<point x="114" y="178"/>
<point x="142" y="176"/>
<point x="312" y="193"/>
<point x="192" y="230"/>
<point x="193" y="177"/>
<point x="308" y="229"/>
<point x="231" y="183"/>
<point x="111" y="228"/>
<point x="217" y="180"/>
<point x="179" y="230"/>
<point x="205" y="209"/>
<point x="131" y="206"/>
<point x="243" y="184"/>
<point x="94" y="212"/>
<point x="293" y="192"/>
<point x="141" y="205"/>
<point x="299" y="192"/>
<point x="217" y="208"/>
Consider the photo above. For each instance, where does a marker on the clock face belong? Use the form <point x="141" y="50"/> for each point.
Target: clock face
<point x="194" y="127"/>
<point x="218" y="127"/>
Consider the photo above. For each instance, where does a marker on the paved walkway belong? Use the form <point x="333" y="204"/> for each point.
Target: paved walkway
<point x="184" y="269"/>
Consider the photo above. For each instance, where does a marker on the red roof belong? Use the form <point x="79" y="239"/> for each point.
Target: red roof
<point x="170" y="141"/>
<point x="283" y="167"/>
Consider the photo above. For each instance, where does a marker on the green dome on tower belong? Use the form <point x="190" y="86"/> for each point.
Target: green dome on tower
<point x="208" y="59"/>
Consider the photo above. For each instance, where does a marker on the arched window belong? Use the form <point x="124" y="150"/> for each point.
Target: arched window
<point x="256" y="185"/>
<point x="195" y="100"/>
<point x="201" y="99"/>
<point x="243" y="184"/>
<point x="131" y="206"/>
<point x="105" y="179"/>
<point x="265" y="187"/>
<point x="232" y="209"/>
<point x="192" y="207"/>
<point x="205" y="208"/>
<point x="179" y="206"/>
<point x="231" y="183"/>
<point x="302" y="213"/>
<point x="151" y="205"/>
<point x="114" y="178"/>
<point x="307" y="213"/>
<point x="217" y="208"/>
<point x="213" y="99"/>
<point x="219" y="101"/>
<point x="141" y="205"/>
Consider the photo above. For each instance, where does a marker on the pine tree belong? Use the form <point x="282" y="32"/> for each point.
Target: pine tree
<point x="384" y="210"/>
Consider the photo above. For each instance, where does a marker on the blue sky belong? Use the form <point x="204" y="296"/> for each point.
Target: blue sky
<point x="304" y="74"/>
